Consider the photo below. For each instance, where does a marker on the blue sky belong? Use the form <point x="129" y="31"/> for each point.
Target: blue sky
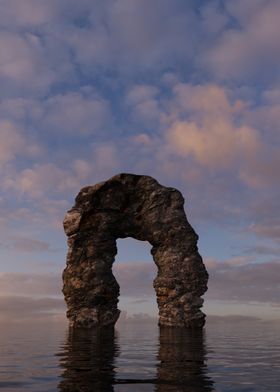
<point x="185" y="91"/>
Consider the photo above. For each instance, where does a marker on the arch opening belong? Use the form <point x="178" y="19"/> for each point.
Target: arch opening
<point x="129" y="205"/>
<point x="135" y="271"/>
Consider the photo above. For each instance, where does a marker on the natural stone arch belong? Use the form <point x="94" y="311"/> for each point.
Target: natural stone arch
<point x="129" y="205"/>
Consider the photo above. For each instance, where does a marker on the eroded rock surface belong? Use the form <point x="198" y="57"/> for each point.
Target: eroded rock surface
<point x="129" y="205"/>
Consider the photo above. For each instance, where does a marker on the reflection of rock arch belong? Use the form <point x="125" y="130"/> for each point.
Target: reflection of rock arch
<point x="181" y="366"/>
<point x="87" y="360"/>
<point x="129" y="205"/>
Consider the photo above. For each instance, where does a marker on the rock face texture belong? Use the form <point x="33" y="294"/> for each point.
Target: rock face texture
<point x="129" y="205"/>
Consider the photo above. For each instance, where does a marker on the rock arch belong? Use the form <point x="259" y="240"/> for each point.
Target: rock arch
<point x="129" y="205"/>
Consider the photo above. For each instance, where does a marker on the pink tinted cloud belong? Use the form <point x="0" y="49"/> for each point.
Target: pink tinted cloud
<point x="205" y="127"/>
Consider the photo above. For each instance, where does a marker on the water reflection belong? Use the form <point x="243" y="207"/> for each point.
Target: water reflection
<point x="88" y="360"/>
<point x="89" y="363"/>
<point x="182" y="361"/>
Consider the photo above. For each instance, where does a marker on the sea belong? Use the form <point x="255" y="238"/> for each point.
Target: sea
<point x="229" y="354"/>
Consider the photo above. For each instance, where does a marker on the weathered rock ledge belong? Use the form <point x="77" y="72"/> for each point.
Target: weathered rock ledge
<point x="129" y="205"/>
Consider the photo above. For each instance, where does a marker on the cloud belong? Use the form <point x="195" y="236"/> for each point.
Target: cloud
<point x="267" y="230"/>
<point x="142" y="139"/>
<point x="82" y="168"/>
<point x="30" y="284"/>
<point x="37" y="181"/>
<point x="249" y="44"/>
<point x="253" y="282"/>
<point x="127" y="36"/>
<point x="31" y="13"/>
<point x="18" y="308"/>
<point x="142" y="100"/>
<point x="263" y="250"/>
<point x="235" y="280"/>
<point x="236" y="261"/>
<point x="23" y="62"/>
<point x="135" y="278"/>
<point x="238" y="279"/>
<point x="11" y="141"/>
<point x="136" y="318"/>
<point x="210" y="132"/>
<point x="22" y="244"/>
<point x="75" y="113"/>
<point x="212" y="20"/>
<point x="107" y="159"/>
<point x="266" y="113"/>
<point x="265" y="223"/>
<point x="141" y="93"/>
<point x="29" y="295"/>
<point x="14" y="143"/>
<point x="28" y="305"/>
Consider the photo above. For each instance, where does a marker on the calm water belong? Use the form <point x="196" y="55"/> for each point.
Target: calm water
<point x="228" y="356"/>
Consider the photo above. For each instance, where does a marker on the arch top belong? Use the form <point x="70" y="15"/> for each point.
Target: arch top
<point x="130" y="205"/>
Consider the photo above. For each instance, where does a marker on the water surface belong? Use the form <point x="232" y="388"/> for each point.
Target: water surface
<point x="229" y="355"/>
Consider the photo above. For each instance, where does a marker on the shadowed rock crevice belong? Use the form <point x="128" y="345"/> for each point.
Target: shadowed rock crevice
<point x="129" y="205"/>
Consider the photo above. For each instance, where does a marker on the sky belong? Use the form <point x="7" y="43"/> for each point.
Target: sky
<point x="186" y="91"/>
